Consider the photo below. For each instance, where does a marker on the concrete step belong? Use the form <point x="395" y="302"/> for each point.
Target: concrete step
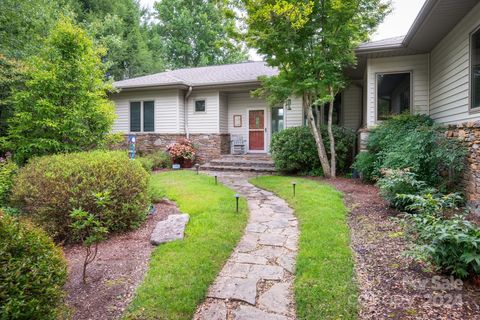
<point x="242" y="163"/>
<point x="212" y="167"/>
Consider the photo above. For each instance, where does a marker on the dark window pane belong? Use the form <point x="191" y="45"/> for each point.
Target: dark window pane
<point x="476" y="69"/>
<point x="135" y="117"/>
<point x="148" y="116"/>
<point x="277" y="119"/>
<point x="200" y="106"/>
<point x="393" y="94"/>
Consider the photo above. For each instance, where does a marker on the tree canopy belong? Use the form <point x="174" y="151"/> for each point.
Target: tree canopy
<point x="312" y="43"/>
<point x="198" y="32"/>
<point x="64" y="105"/>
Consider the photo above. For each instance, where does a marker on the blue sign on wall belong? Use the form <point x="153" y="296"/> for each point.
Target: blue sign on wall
<point x="131" y="146"/>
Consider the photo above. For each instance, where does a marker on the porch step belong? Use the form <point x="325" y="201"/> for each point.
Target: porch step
<point x="242" y="163"/>
<point x="209" y="167"/>
<point x="248" y="162"/>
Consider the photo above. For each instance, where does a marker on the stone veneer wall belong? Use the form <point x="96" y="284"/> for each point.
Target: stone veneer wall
<point x="469" y="133"/>
<point x="209" y="146"/>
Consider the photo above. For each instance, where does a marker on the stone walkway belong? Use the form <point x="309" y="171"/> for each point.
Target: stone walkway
<point x="256" y="282"/>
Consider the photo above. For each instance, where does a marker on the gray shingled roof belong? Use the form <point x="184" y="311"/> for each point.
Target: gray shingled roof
<point x="381" y="44"/>
<point x="202" y="76"/>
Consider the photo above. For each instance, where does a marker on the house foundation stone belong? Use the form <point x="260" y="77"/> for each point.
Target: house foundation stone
<point x="208" y="146"/>
<point x="469" y="134"/>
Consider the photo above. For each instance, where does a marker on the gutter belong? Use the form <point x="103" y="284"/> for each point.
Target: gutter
<point x="185" y="110"/>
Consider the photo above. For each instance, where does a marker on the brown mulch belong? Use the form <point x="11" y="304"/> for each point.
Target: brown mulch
<point x="391" y="285"/>
<point x="116" y="272"/>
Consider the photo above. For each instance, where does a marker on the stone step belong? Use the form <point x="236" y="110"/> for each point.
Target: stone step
<point x="212" y="167"/>
<point x="249" y="157"/>
<point x="242" y="163"/>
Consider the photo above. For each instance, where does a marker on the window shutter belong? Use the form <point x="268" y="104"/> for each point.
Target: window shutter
<point x="135" y="117"/>
<point x="148" y="116"/>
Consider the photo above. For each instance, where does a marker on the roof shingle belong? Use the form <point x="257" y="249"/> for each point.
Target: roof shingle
<point x="202" y="76"/>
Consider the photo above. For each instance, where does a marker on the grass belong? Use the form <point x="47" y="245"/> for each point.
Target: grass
<point x="180" y="272"/>
<point x="324" y="280"/>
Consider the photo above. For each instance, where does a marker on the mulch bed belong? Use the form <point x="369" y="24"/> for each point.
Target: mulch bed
<point x="391" y="285"/>
<point x="116" y="272"/>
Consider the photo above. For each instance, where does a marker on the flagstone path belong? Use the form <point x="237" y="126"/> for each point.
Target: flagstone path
<point x="256" y="282"/>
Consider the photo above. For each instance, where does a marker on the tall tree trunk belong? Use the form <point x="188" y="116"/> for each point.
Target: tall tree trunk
<point x="333" y="156"/>
<point x="322" y="154"/>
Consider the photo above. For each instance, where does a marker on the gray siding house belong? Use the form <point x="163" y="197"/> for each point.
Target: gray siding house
<point x="434" y="69"/>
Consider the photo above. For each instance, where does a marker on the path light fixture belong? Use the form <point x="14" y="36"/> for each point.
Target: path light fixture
<point x="294" y="185"/>
<point x="216" y="179"/>
<point x="197" y="166"/>
<point x="237" y="196"/>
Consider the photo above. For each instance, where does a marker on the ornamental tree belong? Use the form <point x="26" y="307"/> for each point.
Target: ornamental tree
<point x="63" y="106"/>
<point x="312" y="43"/>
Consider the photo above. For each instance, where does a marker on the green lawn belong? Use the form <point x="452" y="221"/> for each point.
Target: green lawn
<point x="324" y="283"/>
<point x="180" y="272"/>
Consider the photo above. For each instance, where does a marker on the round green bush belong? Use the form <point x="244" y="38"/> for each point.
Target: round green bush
<point x="294" y="150"/>
<point x="32" y="272"/>
<point x="104" y="183"/>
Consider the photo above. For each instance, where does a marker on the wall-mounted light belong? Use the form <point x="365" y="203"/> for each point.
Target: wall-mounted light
<point x="288" y="104"/>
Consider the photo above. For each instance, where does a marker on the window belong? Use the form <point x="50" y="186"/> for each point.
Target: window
<point x="277" y="119"/>
<point x="475" y="70"/>
<point x="200" y="106"/>
<point x="142" y="116"/>
<point x="336" y="114"/>
<point x="393" y="94"/>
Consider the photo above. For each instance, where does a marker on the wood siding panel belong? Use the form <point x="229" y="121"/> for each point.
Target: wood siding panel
<point x="208" y="121"/>
<point x="223" y="113"/>
<point x="450" y="73"/>
<point x="351" y="112"/>
<point x="166" y="109"/>
<point x="417" y="64"/>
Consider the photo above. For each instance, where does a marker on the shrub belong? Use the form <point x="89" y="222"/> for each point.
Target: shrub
<point x="8" y="171"/>
<point x="160" y="159"/>
<point x="432" y="204"/>
<point x="365" y="165"/>
<point x="49" y="188"/>
<point x="452" y="245"/>
<point x="395" y="182"/>
<point x="32" y="272"/>
<point x="413" y="142"/>
<point x="183" y="150"/>
<point x="294" y="150"/>
<point x="146" y="163"/>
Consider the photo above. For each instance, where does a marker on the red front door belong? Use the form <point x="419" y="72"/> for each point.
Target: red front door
<point x="256" y="130"/>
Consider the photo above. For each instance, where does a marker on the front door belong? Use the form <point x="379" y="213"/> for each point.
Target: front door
<point x="256" y="130"/>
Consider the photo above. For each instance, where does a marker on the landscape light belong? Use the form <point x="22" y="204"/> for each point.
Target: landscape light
<point x="293" y="185"/>
<point x="237" y="196"/>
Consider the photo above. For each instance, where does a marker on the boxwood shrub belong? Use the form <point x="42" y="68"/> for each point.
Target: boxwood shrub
<point x="32" y="272"/>
<point x="104" y="183"/>
<point x="294" y="150"/>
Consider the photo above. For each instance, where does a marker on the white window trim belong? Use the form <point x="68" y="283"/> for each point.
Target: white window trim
<point x="142" y="129"/>
<point x="471" y="109"/>
<point x="412" y="91"/>
<point x="195" y="105"/>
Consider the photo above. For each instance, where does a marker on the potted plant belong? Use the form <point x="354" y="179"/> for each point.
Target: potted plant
<point x="182" y="153"/>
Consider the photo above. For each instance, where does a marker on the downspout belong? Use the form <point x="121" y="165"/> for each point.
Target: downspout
<point x="185" y="110"/>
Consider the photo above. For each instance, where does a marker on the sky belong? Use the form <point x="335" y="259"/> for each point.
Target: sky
<point x="397" y="23"/>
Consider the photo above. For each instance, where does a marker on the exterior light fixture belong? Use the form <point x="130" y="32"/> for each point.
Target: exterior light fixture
<point x="294" y="185"/>
<point x="288" y="104"/>
<point x="216" y="179"/>
<point x="197" y="166"/>
<point x="237" y="196"/>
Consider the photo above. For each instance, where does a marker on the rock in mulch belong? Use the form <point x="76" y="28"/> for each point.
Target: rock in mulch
<point x="111" y="278"/>
<point x="171" y="229"/>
